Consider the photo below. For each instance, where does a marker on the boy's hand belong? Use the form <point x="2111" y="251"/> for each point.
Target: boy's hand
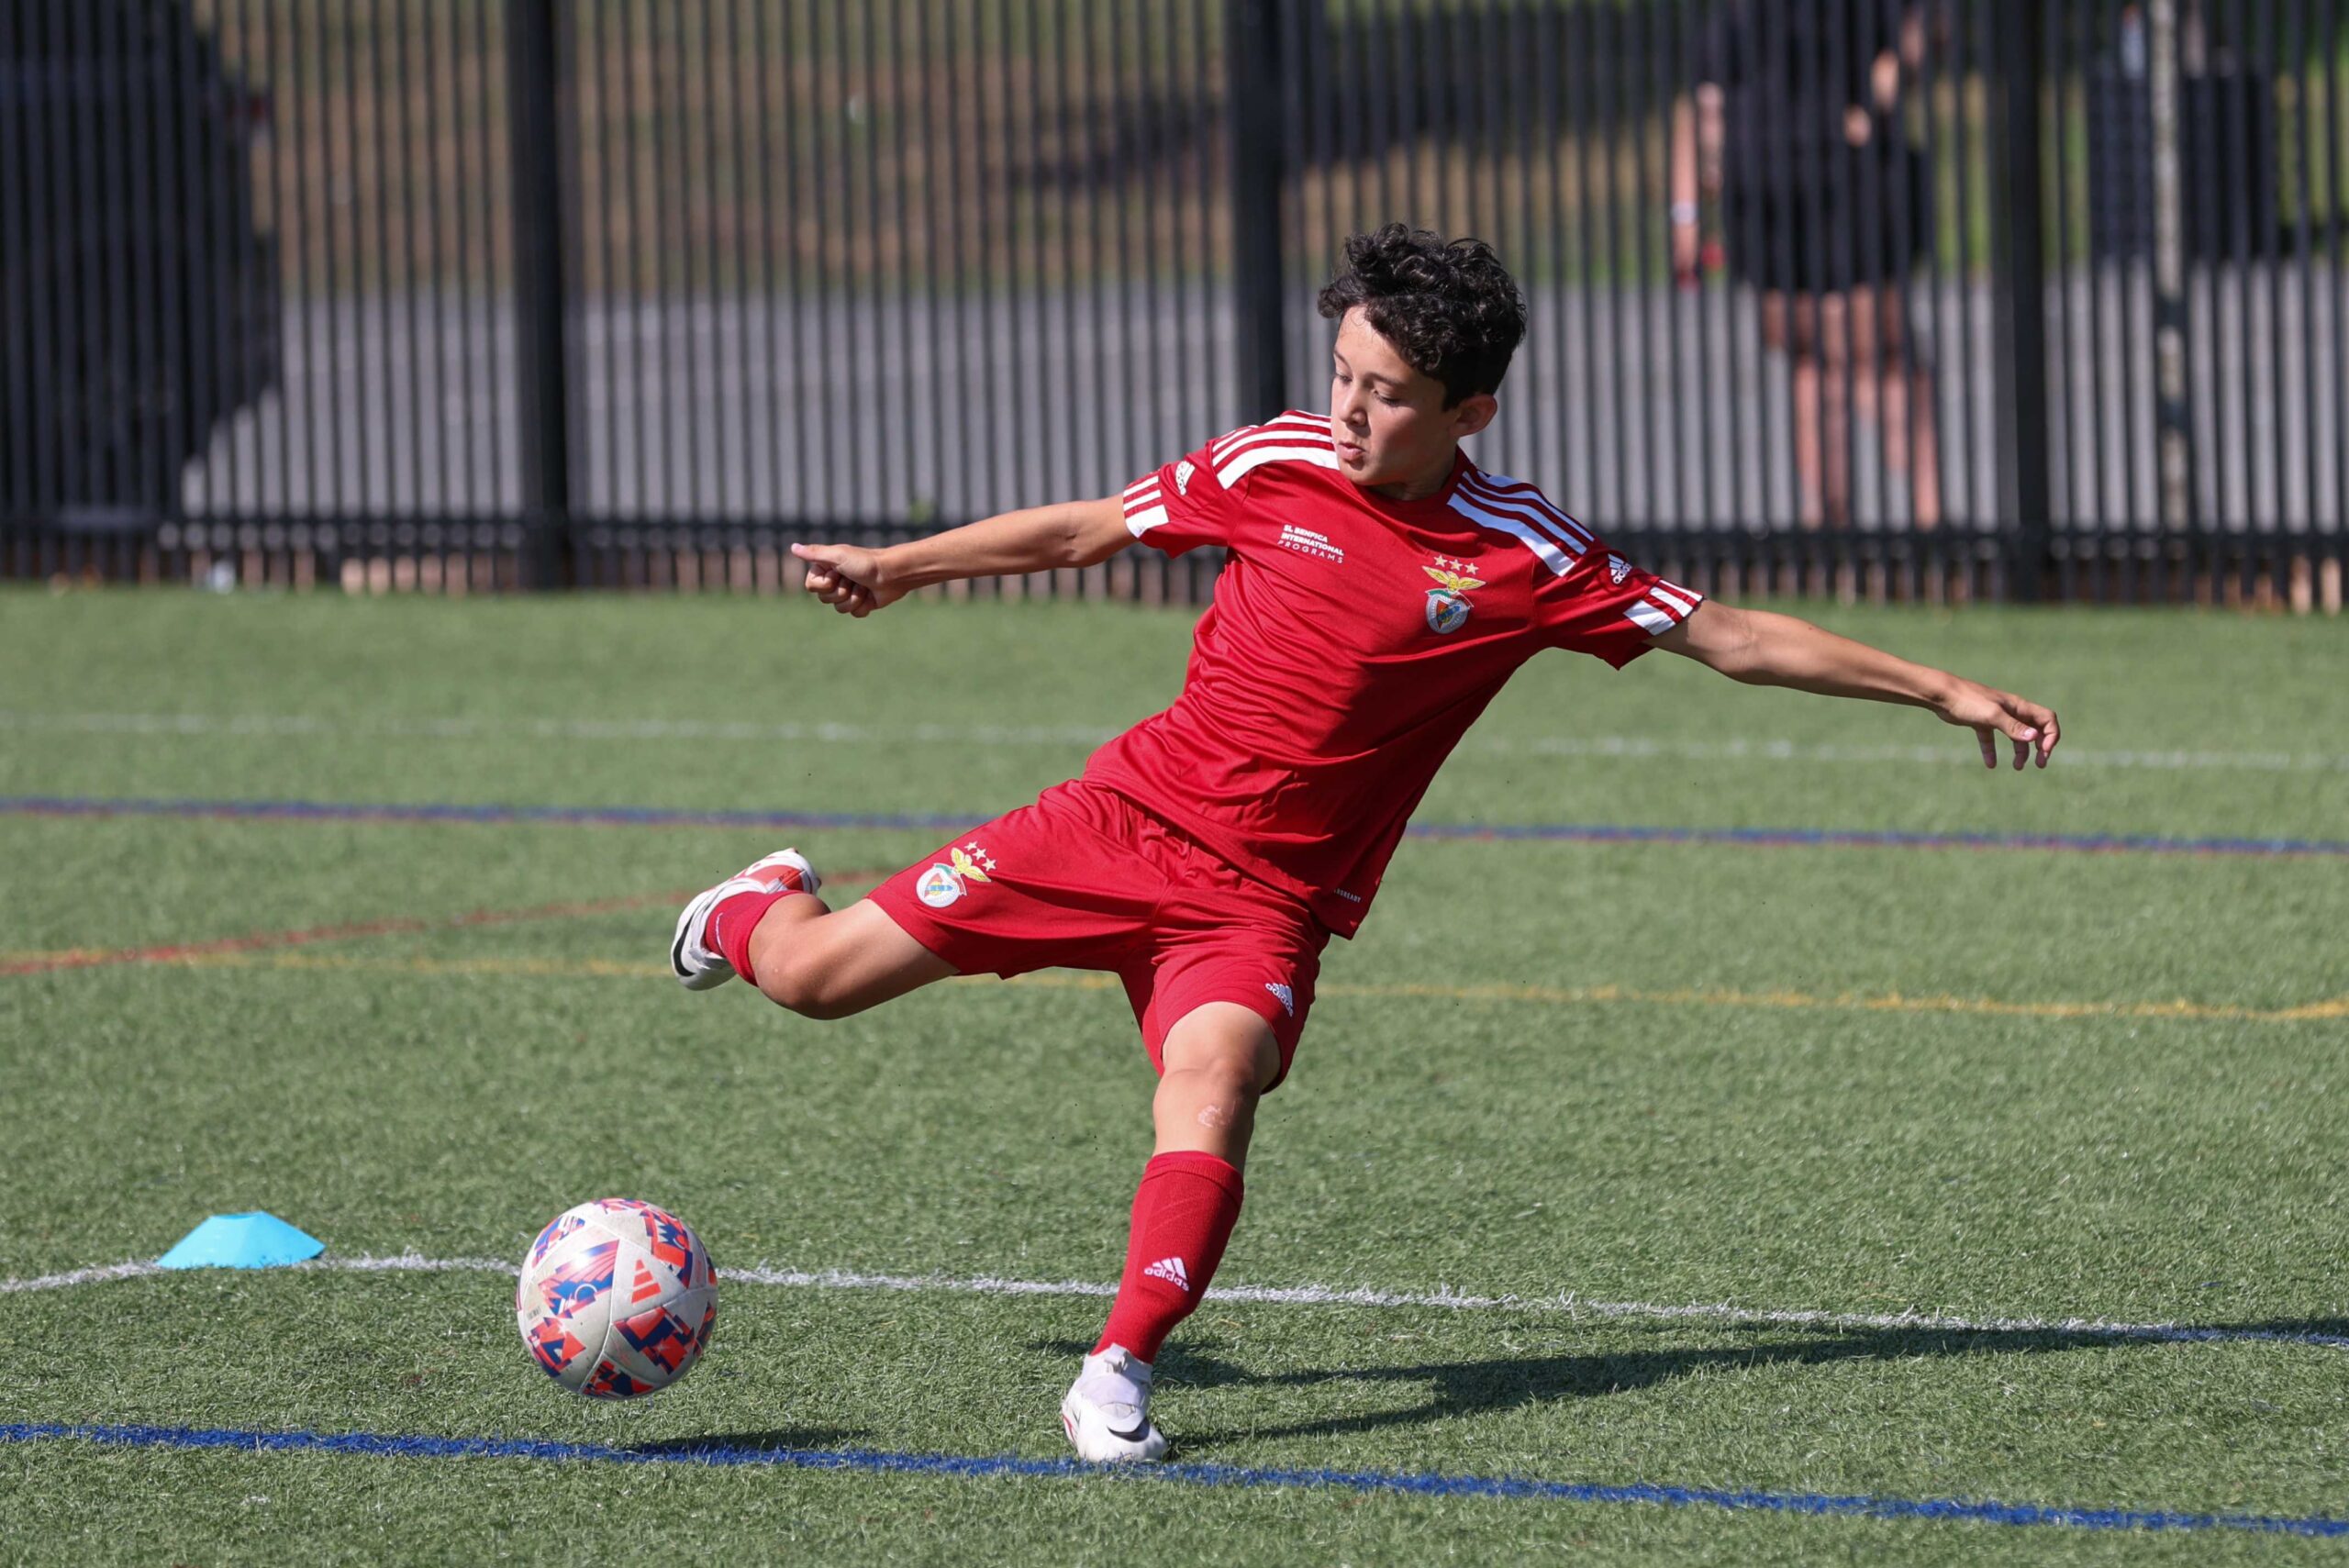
<point x="1990" y="714"/>
<point x="852" y="580"/>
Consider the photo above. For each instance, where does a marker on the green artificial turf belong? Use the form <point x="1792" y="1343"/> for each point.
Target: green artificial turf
<point x="1855" y="1080"/>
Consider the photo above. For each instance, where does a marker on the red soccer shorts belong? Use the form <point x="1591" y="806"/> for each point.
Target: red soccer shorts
<point x="1084" y="879"/>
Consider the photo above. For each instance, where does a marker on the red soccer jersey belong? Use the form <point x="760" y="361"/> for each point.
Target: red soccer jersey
<point x="1353" y="642"/>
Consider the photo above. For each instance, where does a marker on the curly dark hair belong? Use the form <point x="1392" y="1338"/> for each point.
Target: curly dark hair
<point x="1449" y="306"/>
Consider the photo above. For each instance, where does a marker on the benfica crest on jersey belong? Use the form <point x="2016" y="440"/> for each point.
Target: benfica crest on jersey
<point x="1448" y="605"/>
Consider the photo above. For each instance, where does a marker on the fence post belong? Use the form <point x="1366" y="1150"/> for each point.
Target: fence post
<point x="1252" y="39"/>
<point x="2173" y="420"/>
<point x="2021" y="292"/>
<point x="534" y="154"/>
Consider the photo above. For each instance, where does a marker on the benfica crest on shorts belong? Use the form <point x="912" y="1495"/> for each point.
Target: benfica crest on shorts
<point x="1448" y="605"/>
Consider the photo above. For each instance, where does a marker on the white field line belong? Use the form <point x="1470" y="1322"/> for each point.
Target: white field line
<point x="78" y="1276"/>
<point x="1568" y="1303"/>
<point x="1731" y="749"/>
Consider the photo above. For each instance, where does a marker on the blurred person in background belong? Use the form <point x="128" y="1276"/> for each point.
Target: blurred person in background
<point x="1795" y="124"/>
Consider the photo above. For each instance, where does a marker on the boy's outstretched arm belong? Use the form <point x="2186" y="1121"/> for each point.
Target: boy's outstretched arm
<point x="1765" y="650"/>
<point x="856" y="581"/>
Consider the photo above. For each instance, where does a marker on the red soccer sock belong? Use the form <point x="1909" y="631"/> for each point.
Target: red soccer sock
<point x="730" y="924"/>
<point x="1184" y="1212"/>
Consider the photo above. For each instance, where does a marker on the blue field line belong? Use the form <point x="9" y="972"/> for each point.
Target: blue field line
<point x="1565" y="832"/>
<point x="962" y="1467"/>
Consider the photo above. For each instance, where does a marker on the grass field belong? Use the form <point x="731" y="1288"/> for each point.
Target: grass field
<point x="2011" y="1086"/>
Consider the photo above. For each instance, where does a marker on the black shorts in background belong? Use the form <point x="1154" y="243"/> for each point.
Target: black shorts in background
<point x="1831" y="221"/>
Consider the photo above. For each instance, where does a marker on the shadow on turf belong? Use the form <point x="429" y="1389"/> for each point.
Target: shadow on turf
<point x="1466" y="1387"/>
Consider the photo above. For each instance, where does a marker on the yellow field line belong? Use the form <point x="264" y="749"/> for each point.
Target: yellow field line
<point x="2336" y="1007"/>
<point x="1540" y="995"/>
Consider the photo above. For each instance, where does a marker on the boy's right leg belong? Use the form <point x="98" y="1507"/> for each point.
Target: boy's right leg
<point x="825" y="965"/>
<point x="766" y="924"/>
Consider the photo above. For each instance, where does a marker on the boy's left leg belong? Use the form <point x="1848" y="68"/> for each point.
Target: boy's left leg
<point x="1219" y="1058"/>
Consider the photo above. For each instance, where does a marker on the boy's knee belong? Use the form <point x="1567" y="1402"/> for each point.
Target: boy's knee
<point x="1217" y="1096"/>
<point x="1233" y="1081"/>
<point x="796" y="979"/>
<point x="1224" y="1044"/>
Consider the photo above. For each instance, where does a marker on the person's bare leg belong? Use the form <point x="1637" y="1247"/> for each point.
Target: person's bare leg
<point x="1924" y="449"/>
<point x="820" y="964"/>
<point x="1809" y="484"/>
<point x="1835" y="411"/>
<point x="1789" y="326"/>
<point x="1911" y="448"/>
<point x="1218" y="1059"/>
<point x="1912" y="437"/>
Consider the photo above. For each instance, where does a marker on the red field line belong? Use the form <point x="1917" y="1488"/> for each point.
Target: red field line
<point x="168" y="952"/>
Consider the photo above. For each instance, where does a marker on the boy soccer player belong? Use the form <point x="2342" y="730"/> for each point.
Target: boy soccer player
<point x="1380" y="589"/>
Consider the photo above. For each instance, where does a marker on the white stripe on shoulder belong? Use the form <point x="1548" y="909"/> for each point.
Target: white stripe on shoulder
<point x="1527" y="500"/>
<point x="1148" y="501"/>
<point x="1222" y="444"/>
<point x="1661" y="592"/>
<point x="1559" y="561"/>
<point x="1574" y="542"/>
<point x="1648" y="618"/>
<point x="1532" y="504"/>
<point x="1247" y="459"/>
<point x="1289" y="426"/>
<point x="1148" y="483"/>
<point x="1141" y="522"/>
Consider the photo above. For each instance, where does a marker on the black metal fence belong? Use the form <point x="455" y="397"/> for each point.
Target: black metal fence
<point x="1943" y="298"/>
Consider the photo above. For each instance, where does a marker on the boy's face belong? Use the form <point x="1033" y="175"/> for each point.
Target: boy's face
<point x="1394" y="434"/>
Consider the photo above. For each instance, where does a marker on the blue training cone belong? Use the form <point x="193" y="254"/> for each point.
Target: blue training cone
<point x="241" y="1242"/>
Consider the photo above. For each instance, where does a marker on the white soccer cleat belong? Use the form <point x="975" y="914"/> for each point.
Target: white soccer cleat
<point x="1107" y="1412"/>
<point x="696" y="963"/>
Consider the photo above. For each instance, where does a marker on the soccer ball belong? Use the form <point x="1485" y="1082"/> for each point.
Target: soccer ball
<point x="618" y="1298"/>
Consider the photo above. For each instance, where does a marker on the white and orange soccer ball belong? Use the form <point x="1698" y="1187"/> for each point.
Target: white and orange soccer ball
<point x="618" y="1298"/>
